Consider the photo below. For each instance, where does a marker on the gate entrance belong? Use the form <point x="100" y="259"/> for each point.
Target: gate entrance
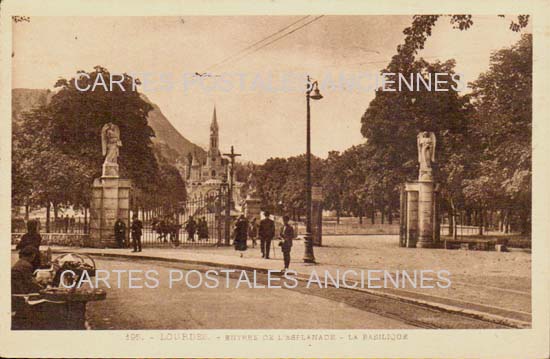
<point x="199" y="221"/>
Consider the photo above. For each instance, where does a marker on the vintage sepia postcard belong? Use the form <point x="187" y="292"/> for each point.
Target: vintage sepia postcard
<point x="274" y="179"/>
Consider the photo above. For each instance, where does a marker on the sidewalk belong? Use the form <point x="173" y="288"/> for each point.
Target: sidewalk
<point x="493" y="285"/>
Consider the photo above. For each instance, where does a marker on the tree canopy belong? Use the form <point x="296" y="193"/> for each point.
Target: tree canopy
<point x="483" y="152"/>
<point x="57" y="147"/>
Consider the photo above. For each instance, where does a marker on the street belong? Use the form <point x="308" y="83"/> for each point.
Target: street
<point x="181" y="307"/>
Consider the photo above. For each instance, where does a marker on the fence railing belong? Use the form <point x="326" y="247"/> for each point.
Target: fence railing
<point x="197" y="222"/>
<point x="70" y="225"/>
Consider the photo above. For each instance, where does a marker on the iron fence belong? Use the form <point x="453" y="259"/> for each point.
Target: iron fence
<point x="196" y="222"/>
<point x="60" y="225"/>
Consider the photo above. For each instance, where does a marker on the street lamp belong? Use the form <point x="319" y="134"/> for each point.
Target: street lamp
<point x="313" y="93"/>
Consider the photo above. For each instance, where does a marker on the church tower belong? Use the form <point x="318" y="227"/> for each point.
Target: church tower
<point x="214" y="166"/>
<point x="214" y="136"/>
<point x="214" y="156"/>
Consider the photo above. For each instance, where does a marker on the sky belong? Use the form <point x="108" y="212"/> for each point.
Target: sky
<point x="258" y="122"/>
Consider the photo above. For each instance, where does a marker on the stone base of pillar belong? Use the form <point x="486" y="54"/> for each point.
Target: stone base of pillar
<point x="425" y="215"/>
<point x="110" y="170"/>
<point x="420" y="220"/>
<point x="252" y="208"/>
<point x="110" y="201"/>
<point x="411" y="218"/>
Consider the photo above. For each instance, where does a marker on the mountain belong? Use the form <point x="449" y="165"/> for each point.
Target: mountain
<point x="25" y="99"/>
<point x="167" y="139"/>
<point x="166" y="133"/>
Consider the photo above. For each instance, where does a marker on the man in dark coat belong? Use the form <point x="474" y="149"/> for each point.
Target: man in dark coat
<point x="191" y="228"/>
<point x="266" y="232"/>
<point x="120" y="232"/>
<point x="137" y="228"/>
<point x="203" y="228"/>
<point x="287" y="235"/>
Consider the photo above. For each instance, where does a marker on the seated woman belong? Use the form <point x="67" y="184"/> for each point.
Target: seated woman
<point x="31" y="238"/>
<point x="22" y="281"/>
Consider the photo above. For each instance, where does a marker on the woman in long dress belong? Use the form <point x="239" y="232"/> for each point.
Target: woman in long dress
<point x="240" y="234"/>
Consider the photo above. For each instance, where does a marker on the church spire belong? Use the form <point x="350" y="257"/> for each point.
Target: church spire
<point x="214" y="124"/>
<point x="214" y="137"/>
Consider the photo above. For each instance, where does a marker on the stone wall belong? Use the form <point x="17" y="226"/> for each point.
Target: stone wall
<point x="59" y="239"/>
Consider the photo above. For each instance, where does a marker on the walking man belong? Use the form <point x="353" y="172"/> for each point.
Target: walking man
<point x="137" y="227"/>
<point x="266" y="233"/>
<point x="287" y="235"/>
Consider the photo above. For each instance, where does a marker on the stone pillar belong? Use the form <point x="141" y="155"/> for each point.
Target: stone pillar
<point x="110" y="201"/>
<point x="252" y="208"/>
<point x="412" y="215"/>
<point x="425" y="214"/>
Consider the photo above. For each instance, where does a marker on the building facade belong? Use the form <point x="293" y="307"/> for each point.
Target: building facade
<point x="205" y="177"/>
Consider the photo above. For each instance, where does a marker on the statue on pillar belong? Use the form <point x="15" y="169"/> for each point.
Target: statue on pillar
<point x="426" y="154"/>
<point x="252" y="186"/>
<point x="110" y="143"/>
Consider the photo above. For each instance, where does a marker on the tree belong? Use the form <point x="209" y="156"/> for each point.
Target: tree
<point x="78" y="117"/>
<point x="502" y="98"/>
<point x="392" y="121"/>
<point x="57" y="147"/>
<point x="343" y="181"/>
<point x="421" y="28"/>
<point x="42" y="174"/>
<point x="281" y="183"/>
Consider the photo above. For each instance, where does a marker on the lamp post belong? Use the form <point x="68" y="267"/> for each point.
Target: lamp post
<point x="309" y="257"/>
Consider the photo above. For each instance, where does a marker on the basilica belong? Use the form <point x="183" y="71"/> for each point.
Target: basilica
<point x="205" y="177"/>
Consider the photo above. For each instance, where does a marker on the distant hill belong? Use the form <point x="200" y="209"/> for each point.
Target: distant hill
<point x="26" y="99"/>
<point x="166" y="133"/>
<point x="167" y="139"/>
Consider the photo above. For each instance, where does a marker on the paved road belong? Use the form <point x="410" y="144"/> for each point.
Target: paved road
<point x="181" y="307"/>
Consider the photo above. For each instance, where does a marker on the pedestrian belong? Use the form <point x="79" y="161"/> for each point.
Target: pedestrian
<point x="72" y="223"/>
<point x="66" y="223"/>
<point x="191" y="228"/>
<point x="253" y="231"/>
<point x="286" y="236"/>
<point x="172" y="227"/>
<point x="203" y="229"/>
<point x="266" y="233"/>
<point x="240" y="234"/>
<point x="137" y="229"/>
<point x="31" y="238"/>
<point x="120" y="232"/>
